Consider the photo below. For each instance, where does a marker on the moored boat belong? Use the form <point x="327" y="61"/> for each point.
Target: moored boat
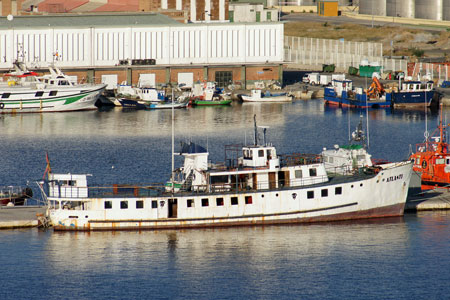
<point x="414" y="94"/>
<point x="432" y="159"/>
<point x="26" y="92"/>
<point x="14" y="195"/>
<point x="258" y="96"/>
<point x="255" y="186"/>
<point x="341" y="93"/>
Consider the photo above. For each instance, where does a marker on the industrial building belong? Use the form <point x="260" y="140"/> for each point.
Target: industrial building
<point x="422" y="9"/>
<point x="128" y="45"/>
<point x="182" y="10"/>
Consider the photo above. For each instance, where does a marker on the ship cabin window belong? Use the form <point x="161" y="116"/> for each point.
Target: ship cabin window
<point x="417" y="161"/>
<point x="324" y="193"/>
<point x="190" y="203"/>
<point x="310" y="194"/>
<point x="219" y="201"/>
<point x="331" y="160"/>
<point x="108" y="204"/>
<point x="440" y="161"/>
<point x="67" y="183"/>
<point x="360" y="157"/>
<point x="6" y="95"/>
<point x="298" y="174"/>
<point x="53" y="93"/>
<point x="260" y="153"/>
<point x="234" y="200"/>
<point x="248" y="154"/>
<point x="338" y="190"/>
<point x="139" y="204"/>
<point x="423" y="86"/>
<point x="39" y="94"/>
<point x="219" y="179"/>
<point x="248" y="200"/>
<point x="205" y="202"/>
<point x="63" y="82"/>
<point x="154" y="204"/>
<point x="448" y="161"/>
<point x="313" y="172"/>
<point x="123" y="204"/>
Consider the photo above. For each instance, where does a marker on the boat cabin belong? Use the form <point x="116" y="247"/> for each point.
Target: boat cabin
<point x="68" y="186"/>
<point x="416" y="86"/>
<point x="346" y="159"/>
<point x="341" y="85"/>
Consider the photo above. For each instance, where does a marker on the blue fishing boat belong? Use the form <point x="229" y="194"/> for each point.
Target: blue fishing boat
<point x="342" y="94"/>
<point x="413" y="93"/>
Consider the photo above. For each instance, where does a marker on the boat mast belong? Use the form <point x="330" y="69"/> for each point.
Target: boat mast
<point x="256" y="130"/>
<point x="173" y="143"/>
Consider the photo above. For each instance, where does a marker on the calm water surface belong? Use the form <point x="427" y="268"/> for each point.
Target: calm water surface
<point x="399" y="258"/>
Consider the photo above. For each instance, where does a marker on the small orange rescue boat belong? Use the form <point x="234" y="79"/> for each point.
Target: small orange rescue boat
<point x="432" y="160"/>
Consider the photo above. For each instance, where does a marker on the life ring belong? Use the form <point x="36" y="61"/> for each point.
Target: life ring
<point x="2" y="105"/>
<point x="424" y="164"/>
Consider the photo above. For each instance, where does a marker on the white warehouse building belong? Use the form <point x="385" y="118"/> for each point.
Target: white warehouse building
<point x="131" y="42"/>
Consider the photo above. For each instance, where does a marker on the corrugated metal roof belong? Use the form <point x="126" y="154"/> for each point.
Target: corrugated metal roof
<point x="86" y="20"/>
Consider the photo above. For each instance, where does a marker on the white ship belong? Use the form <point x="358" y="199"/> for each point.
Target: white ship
<point x="25" y="92"/>
<point x="255" y="186"/>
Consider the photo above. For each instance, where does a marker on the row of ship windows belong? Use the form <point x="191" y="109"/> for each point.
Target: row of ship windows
<point x="220" y="201"/>
<point x="38" y="94"/>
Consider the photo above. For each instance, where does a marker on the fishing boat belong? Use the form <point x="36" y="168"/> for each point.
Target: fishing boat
<point x="208" y="94"/>
<point x="14" y="195"/>
<point x="169" y="105"/>
<point x="258" y="96"/>
<point x="254" y="186"/>
<point x="141" y="93"/>
<point x="25" y="92"/>
<point x="414" y="94"/>
<point x="432" y="159"/>
<point x="341" y="93"/>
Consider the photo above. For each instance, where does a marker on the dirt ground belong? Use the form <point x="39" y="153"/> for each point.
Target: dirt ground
<point x="406" y="41"/>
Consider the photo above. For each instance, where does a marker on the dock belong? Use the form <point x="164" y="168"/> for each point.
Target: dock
<point x="419" y="200"/>
<point x="20" y="216"/>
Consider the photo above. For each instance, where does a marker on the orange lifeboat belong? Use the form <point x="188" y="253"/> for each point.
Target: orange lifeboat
<point x="432" y="160"/>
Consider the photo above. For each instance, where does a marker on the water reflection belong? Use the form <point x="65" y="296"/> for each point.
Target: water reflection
<point x="202" y="249"/>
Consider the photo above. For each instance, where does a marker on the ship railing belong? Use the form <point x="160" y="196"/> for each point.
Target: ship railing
<point x="299" y="159"/>
<point x="114" y="191"/>
<point x="427" y="146"/>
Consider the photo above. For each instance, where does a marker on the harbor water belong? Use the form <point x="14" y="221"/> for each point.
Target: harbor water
<point x="391" y="258"/>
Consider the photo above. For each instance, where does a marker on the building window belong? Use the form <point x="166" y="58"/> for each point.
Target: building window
<point x="190" y="202"/>
<point x="298" y="174"/>
<point x="139" y="204"/>
<point x="324" y="193"/>
<point x="53" y="93"/>
<point x="338" y="190"/>
<point x="154" y="204"/>
<point x="313" y="172"/>
<point x="248" y="200"/>
<point x="224" y="78"/>
<point x="219" y="201"/>
<point x="108" y="204"/>
<point x="123" y="204"/>
<point x="205" y="202"/>
<point x="234" y="200"/>
<point x="310" y="194"/>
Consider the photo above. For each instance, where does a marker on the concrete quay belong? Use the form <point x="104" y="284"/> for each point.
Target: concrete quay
<point x="419" y="200"/>
<point x="20" y="216"/>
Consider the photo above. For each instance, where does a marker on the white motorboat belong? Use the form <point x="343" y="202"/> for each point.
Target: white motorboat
<point x="258" y="96"/>
<point x="25" y="92"/>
